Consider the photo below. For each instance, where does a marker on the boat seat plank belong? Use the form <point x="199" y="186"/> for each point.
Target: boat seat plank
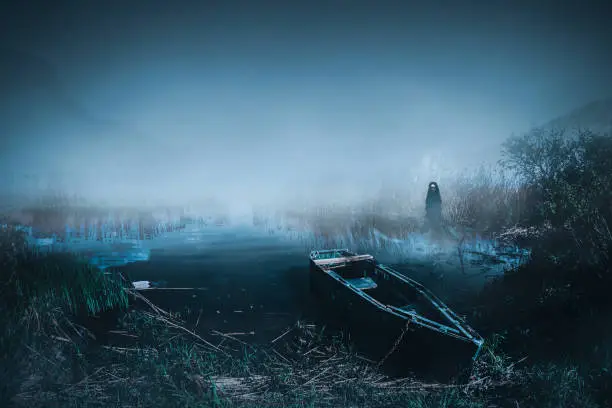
<point x="343" y="259"/>
<point x="362" y="283"/>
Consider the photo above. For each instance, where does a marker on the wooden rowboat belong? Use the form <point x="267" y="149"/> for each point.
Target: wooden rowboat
<point x="381" y="305"/>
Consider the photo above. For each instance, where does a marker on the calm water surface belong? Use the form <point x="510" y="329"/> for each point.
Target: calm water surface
<point x="246" y="280"/>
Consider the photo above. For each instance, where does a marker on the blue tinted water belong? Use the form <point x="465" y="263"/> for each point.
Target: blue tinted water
<point x="247" y="279"/>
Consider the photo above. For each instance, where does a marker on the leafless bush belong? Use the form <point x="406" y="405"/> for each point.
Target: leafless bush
<point x="572" y="178"/>
<point x="488" y="200"/>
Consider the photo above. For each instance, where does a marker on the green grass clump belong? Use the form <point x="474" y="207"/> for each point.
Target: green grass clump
<point x="28" y="274"/>
<point x="42" y="296"/>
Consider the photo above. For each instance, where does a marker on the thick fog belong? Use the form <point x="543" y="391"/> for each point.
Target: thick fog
<point x="160" y="104"/>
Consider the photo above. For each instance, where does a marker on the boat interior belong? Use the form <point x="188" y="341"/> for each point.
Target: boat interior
<point x="363" y="275"/>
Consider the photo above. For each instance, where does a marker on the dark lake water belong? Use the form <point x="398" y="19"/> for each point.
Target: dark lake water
<point x="254" y="281"/>
<point x="247" y="281"/>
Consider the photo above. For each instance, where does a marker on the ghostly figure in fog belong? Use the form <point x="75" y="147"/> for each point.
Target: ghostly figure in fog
<point x="433" y="206"/>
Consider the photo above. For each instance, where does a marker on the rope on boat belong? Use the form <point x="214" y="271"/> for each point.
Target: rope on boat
<point x="395" y="345"/>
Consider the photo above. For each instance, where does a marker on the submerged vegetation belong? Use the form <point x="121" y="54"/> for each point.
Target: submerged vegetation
<point x="75" y="336"/>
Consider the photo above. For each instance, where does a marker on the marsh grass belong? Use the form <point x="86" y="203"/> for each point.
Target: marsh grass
<point x="29" y="275"/>
<point x="156" y="360"/>
<point x="165" y="366"/>
<point x="560" y="207"/>
<point x="52" y="213"/>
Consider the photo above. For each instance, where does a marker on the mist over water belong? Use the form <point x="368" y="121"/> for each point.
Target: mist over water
<point x="277" y="106"/>
<point x="248" y="155"/>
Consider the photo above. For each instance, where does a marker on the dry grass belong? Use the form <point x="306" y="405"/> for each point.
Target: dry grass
<point x="487" y="201"/>
<point x="169" y="365"/>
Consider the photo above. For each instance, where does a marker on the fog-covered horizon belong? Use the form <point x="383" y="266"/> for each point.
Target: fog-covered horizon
<point x="176" y="104"/>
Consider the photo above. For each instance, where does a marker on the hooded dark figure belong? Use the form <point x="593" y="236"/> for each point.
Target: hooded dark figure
<point x="433" y="205"/>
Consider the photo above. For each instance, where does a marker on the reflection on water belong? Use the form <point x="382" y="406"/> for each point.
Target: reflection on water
<point x="468" y="253"/>
<point x="121" y="242"/>
<point x="107" y="245"/>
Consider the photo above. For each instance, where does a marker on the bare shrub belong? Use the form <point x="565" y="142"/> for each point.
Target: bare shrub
<point x="488" y="200"/>
<point x="572" y="178"/>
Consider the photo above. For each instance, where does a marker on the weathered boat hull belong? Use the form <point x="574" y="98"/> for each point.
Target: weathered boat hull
<point x="377" y="331"/>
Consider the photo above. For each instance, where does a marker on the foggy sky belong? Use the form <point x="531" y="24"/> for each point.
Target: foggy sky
<point x="250" y="100"/>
